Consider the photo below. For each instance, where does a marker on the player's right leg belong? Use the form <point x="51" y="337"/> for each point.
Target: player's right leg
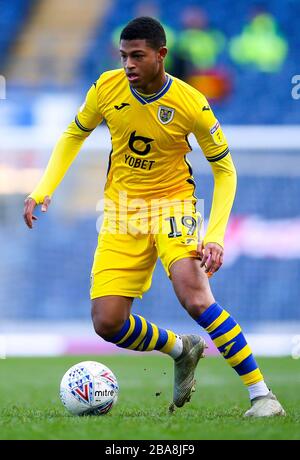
<point x="113" y="322"/>
<point x="122" y="270"/>
<point x="109" y="313"/>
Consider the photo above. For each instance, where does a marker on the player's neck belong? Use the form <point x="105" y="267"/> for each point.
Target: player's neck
<point x="155" y="85"/>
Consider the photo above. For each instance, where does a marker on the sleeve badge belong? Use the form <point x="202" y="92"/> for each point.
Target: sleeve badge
<point x="217" y="134"/>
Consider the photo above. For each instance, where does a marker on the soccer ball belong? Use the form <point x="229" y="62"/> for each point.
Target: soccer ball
<point x="89" y="388"/>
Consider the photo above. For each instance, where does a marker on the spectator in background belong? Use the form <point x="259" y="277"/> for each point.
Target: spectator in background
<point x="151" y="9"/>
<point x="260" y="44"/>
<point x="198" y="46"/>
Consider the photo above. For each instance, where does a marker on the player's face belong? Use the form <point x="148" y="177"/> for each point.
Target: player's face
<point x="142" y="64"/>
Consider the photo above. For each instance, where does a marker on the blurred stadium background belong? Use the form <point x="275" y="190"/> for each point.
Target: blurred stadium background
<point x="242" y="56"/>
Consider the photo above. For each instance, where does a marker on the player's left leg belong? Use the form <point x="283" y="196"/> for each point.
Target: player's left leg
<point x="114" y="322"/>
<point x="193" y="291"/>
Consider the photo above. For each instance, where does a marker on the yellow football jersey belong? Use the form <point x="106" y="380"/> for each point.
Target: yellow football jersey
<point x="149" y="146"/>
<point x="149" y="135"/>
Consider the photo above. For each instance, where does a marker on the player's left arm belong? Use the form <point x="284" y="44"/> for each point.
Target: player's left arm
<point x="214" y="145"/>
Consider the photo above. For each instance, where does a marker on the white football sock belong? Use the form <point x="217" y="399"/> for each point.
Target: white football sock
<point x="177" y="349"/>
<point x="258" y="389"/>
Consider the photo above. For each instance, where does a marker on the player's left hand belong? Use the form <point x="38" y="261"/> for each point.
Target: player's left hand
<point x="211" y="256"/>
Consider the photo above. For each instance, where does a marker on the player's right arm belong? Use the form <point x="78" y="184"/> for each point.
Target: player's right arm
<point x="63" y="155"/>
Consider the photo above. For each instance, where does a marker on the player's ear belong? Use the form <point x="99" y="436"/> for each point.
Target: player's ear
<point x="162" y="52"/>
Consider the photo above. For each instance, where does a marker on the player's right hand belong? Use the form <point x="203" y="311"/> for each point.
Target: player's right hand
<point x="29" y="206"/>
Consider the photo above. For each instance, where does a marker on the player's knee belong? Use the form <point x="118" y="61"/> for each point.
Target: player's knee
<point x="106" y="327"/>
<point x="196" y="303"/>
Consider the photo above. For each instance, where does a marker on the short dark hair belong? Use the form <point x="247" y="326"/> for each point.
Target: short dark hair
<point x="145" y="28"/>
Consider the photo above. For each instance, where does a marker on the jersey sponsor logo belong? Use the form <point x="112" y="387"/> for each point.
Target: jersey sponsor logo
<point x="137" y="142"/>
<point x="119" y="107"/>
<point x="165" y="114"/>
<point x="140" y="163"/>
<point x="206" y="107"/>
<point x="217" y="134"/>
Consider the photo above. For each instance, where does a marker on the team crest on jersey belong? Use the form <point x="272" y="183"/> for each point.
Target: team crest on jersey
<point x="165" y="114"/>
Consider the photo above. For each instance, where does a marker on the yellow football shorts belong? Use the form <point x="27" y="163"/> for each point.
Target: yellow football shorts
<point x="128" y="248"/>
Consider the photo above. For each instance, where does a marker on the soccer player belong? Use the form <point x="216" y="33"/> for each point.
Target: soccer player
<point x="150" y="115"/>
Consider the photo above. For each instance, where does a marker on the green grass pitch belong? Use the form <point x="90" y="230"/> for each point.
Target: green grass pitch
<point x="30" y="407"/>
